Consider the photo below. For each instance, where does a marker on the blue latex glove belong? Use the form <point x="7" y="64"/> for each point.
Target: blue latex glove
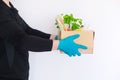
<point x="56" y="37"/>
<point x="68" y="46"/>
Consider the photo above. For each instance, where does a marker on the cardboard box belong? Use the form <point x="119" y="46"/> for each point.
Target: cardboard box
<point x="86" y="38"/>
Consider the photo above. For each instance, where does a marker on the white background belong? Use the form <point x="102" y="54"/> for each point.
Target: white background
<point x="103" y="16"/>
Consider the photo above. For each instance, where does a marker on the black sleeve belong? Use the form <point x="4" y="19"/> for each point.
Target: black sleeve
<point x="11" y="31"/>
<point x="35" y="32"/>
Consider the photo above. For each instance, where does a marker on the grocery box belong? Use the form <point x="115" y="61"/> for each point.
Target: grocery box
<point x="69" y="25"/>
<point x="86" y="38"/>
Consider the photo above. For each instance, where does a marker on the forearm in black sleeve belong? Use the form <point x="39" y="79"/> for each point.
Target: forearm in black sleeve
<point x="11" y="31"/>
<point x="38" y="33"/>
<point x="35" y="32"/>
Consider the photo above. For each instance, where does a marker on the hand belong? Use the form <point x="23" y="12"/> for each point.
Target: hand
<point x="68" y="46"/>
<point x="52" y="37"/>
<point x="56" y="37"/>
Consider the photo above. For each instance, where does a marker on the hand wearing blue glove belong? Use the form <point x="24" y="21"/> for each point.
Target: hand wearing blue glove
<point x="68" y="46"/>
<point x="56" y="37"/>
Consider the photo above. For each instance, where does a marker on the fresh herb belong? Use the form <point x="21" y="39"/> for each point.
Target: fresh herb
<point x="71" y="22"/>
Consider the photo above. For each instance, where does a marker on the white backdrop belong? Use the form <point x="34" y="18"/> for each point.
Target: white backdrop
<point x="103" y="16"/>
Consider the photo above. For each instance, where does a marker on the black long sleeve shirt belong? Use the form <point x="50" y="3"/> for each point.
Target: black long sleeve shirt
<point x="23" y="38"/>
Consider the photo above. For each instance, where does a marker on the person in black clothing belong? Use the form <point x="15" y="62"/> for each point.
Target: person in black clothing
<point x="17" y="38"/>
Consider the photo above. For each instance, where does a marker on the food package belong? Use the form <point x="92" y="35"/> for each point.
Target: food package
<point x="68" y="25"/>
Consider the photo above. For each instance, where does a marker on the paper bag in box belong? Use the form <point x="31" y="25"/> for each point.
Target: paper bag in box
<point x="86" y="38"/>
